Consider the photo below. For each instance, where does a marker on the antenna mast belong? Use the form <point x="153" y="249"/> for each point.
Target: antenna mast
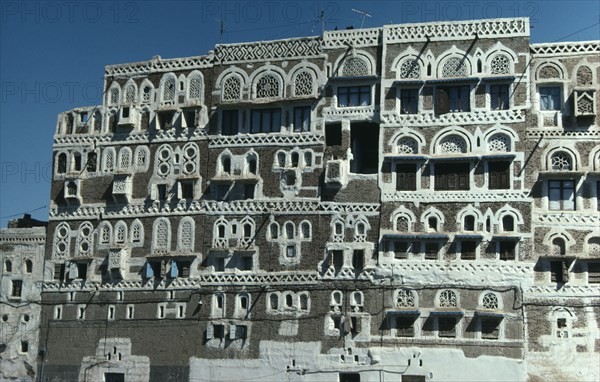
<point x="363" y="14"/>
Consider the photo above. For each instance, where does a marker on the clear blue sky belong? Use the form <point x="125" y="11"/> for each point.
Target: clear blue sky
<point x="53" y="53"/>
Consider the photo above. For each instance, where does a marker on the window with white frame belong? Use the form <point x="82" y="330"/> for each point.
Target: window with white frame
<point x="550" y="97"/>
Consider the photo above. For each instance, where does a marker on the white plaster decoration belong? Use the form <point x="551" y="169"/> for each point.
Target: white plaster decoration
<point x="104" y="233"/>
<point x="109" y="158"/>
<point x="561" y="161"/>
<point x="356" y="38"/>
<point x="195" y="87"/>
<point x="272" y="139"/>
<point x="490" y="301"/>
<point x="456" y="30"/>
<point x="141" y="158"/>
<point x="146" y="92"/>
<point x="500" y="64"/>
<point x="136" y="233"/>
<point x="124" y="159"/>
<point x="190" y="159"/>
<point x="410" y="68"/>
<point x="455" y="67"/>
<point x="452" y="144"/>
<point x="120" y="232"/>
<point x="355" y="67"/>
<point x="161" y="235"/>
<point x="405" y="298"/>
<point x="268" y="50"/>
<point x="447" y="299"/>
<point x="114" y="95"/>
<point x="593" y="247"/>
<point x="62" y="240"/>
<point x="471" y="118"/>
<point x="406" y="145"/>
<point x="231" y="88"/>
<point x="168" y="88"/>
<point x="499" y="142"/>
<point x="85" y="244"/>
<point x="356" y="301"/>
<point x="163" y="160"/>
<point x="304" y="83"/>
<point x="160" y="65"/>
<point x="130" y="93"/>
<point x="268" y="86"/>
<point x="564" y="49"/>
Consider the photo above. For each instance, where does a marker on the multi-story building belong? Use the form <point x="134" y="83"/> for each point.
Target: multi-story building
<point x="22" y="247"/>
<point x="370" y="204"/>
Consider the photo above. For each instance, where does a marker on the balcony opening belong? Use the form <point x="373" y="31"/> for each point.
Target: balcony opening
<point x="365" y="148"/>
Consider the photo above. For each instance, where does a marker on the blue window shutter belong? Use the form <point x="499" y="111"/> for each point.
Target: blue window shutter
<point x="174" y="271"/>
<point x="149" y="271"/>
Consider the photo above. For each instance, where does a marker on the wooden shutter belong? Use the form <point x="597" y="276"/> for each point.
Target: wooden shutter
<point x="442" y="101"/>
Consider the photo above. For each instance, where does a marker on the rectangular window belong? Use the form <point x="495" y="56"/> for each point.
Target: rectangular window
<point x="499" y="97"/>
<point x="333" y="134"/>
<point x="550" y="97"/>
<point x="405" y="326"/>
<point x="59" y="272"/>
<point x="290" y="251"/>
<point x="247" y="263"/>
<point x="452" y="176"/>
<point x="561" y="194"/>
<point x="409" y="101"/>
<point x="302" y="119"/>
<point x="406" y="177"/>
<point x="336" y="259"/>
<point x="219" y="331"/>
<point x="402" y="249"/>
<point x="219" y="264"/>
<point x="358" y="259"/>
<point x="490" y="328"/>
<point x="559" y="271"/>
<point x="431" y="251"/>
<point x="165" y="119"/>
<point x="354" y="96"/>
<point x="249" y="191"/>
<point x="506" y="250"/>
<point x="265" y="121"/>
<point x="452" y="99"/>
<point x="162" y="191"/>
<point x="114" y="377"/>
<point x="593" y="273"/>
<point x="447" y="326"/>
<point x="468" y="249"/>
<point x="82" y="269"/>
<point x="229" y="123"/>
<point x="499" y="175"/>
<point x="17" y="288"/>
<point x="187" y="189"/>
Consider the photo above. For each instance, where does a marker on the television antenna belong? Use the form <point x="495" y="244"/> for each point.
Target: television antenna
<point x="363" y="14"/>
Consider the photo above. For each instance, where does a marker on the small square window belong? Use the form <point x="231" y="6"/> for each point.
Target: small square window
<point x="17" y="288"/>
<point x="550" y="97"/>
<point x="291" y="251"/>
<point x="447" y="326"/>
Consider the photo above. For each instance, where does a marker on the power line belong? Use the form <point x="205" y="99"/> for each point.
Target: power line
<point x="22" y="213"/>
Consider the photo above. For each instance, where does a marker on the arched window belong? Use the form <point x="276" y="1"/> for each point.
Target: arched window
<point x="231" y="88"/>
<point x="295" y="159"/>
<point x="28" y="266"/>
<point x="499" y="142"/>
<point x="303" y="301"/>
<point x="113" y="96"/>
<point x="267" y="86"/>
<point x="130" y="94"/>
<point x="91" y="164"/>
<point x="432" y="223"/>
<point x="251" y="164"/>
<point x="247" y="230"/>
<point x="120" y="232"/>
<point x="561" y="161"/>
<point x="336" y="298"/>
<point x="289" y="300"/>
<point x="124" y="158"/>
<point x="105" y="233"/>
<point x="305" y="230"/>
<point x="500" y="64"/>
<point x="195" y="88"/>
<point x="274" y="231"/>
<point x="61" y="166"/>
<point x="303" y="83"/>
<point x="410" y="68"/>
<point x="308" y="159"/>
<point x="405" y="145"/>
<point x="455" y="67"/>
<point x="584" y="76"/>
<point x="226" y="165"/>
<point x="289" y="230"/>
<point x="281" y="159"/>
<point x="447" y="299"/>
<point x="274" y="301"/>
<point x="168" y="90"/>
<point x="76" y="162"/>
<point x="355" y="67"/>
<point x="8" y="266"/>
<point x="452" y="144"/>
<point x="137" y="232"/>
<point x="161" y="235"/>
<point x="405" y="299"/>
<point x="490" y="301"/>
<point x="185" y="235"/>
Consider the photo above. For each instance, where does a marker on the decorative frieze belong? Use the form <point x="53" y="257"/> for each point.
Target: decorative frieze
<point x="471" y="196"/>
<point x="266" y="140"/>
<point x="159" y="65"/>
<point x="565" y="49"/>
<point x="470" y="118"/>
<point x="268" y="50"/>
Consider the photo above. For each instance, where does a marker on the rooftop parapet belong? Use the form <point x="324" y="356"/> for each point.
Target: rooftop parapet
<point x="566" y="48"/>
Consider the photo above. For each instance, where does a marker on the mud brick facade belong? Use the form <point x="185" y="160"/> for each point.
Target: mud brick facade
<point x="415" y="202"/>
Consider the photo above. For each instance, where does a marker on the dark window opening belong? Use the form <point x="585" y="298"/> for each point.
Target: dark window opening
<point x="59" y="272"/>
<point x="82" y="269"/>
<point x="447" y="326"/>
<point x="165" y="119"/>
<point x="249" y="191"/>
<point x="432" y="222"/>
<point x="336" y="259"/>
<point x="247" y="263"/>
<point x="184" y="268"/>
<point x="302" y="119"/>
<point x="77" y="161"/>
<point x="506" y="250"/>
<point x="220" y="264"/>
<point x="333" y="134"/>
<point x="469" y="223"/>
<point x="162" y="191"/>
<point x="125" y="112"/>
<point x="499" y="97"/>
<point x="508" y="223"/>
<point x="405" y="326"/>
<point x="289" y="178"/>
<point x="402" y="249"/>
<point x="17" y="288"/>
<point x="61" y="167"/>
<point x="349" y="377"/>
<point x="290" y="251"/>
<point x="358" y="259"/>
<point x="409" y="101"/>
<point x="219" y="331"/>
<point x="229" y="124"/>
<point x="431" y="251"/>
<point x="499" y="175"/>
<point x="354" y="96"/>
<point x="490" y="328"/>
<point x="226" y="163"/>
<point x="295" y="159"/>
<point x="8" y="266"/>
<point x="24" y="346"/>
<point x="550" y="97"/>
<point x="468" y="249"/>
<point x="28" y="266"/>
<point x="365" y="148"/>
<point x="406" y="177"/>
<point x="190" y="118"/>
<point x="91" y="163"/>
<point x="265" y="121"/>
<point x="559" y="271"/>
<point x="252" y="166"/>
<point x="452" y="176"/>
<point x="187" y="189"/>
